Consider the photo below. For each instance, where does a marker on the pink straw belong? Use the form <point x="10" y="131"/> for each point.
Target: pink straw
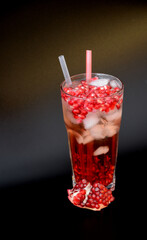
<point x="88" y="64"/>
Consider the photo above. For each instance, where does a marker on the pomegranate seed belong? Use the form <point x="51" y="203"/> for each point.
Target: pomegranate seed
<point x="104" y="202"/>
<point x="81" y="185"/>
<point x="97" y="206"/>
<point x="97" y="193"/>
<point x="90" y="200"/>
<point x="102" y="191"/>
<point x="81" y="116"/>
<point x="70" y="102"/>
<point x="96" y="106"/>
<point x="89" y="109"/>
<point x="92" y="98"/>
<point x="100" y="186"/>
<point x="116" y="98"/>
<point x="65" y="89"/>
<point x="89" y="99"/>
<point x="116" y="89"/>
<point x="84" y="181"/>
<point x="97" y="198"/>
<point x="95" y="185"/>
<point x="93" y="196"/>
<point x="107" y="110"/>
<point x="83" y="191"/>
<point x="93" y="190"/>
<point x="93" y="205"/>
<point x="87" y="204"/>
<point x="68" y="90"/>
<point x="112" y="106"/>
<point x="93" y="95"/>
<point x="121" y="100"/>
<point x="109" y="192"/>
<point x="96" y="189"/>
<point x="76" y="201"/>
<point x="84" y="112"/>
<point x="75" y="111"/>
<point x="111" y="199"/>
<point x="102" y="109"/>
<point x="75" y="105"/>
<point x="76" y="116"/>
<point x="118" y="106"/>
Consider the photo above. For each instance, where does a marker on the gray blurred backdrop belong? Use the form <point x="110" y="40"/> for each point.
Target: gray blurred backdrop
<point x="33" y="141"/>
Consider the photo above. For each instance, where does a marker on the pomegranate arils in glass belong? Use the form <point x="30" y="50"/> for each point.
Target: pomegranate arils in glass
<point x="94" y="197"/>
<point x="90" y="97"/>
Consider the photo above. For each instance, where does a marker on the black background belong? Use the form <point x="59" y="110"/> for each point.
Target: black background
<point x="35" y="169"/>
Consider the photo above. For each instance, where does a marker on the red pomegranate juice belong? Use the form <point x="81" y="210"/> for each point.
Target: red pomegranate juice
<point x="93" y="168"/>
<point x="92" y="114"/>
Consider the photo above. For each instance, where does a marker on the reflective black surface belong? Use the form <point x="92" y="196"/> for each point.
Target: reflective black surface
<point x="42" y="207"/>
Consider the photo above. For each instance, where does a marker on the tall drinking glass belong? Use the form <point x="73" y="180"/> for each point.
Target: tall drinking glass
<point x="92" y="114"/>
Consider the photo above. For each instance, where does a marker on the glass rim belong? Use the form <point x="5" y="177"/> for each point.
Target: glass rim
<point x="84" y="74"/>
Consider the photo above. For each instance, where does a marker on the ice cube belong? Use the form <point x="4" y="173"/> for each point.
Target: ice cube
<point x="112" y="115"/>
<point x="114" y="84"/>
<point x="91" y="120"/>
<point x="97" y="132"/>
<point x="99" y="82"/>
<point x="78" y="137"/>
<point x="85" y="133"/>
<point x="101" y="150"/>
<point x="111" y="130"/>
<point x="88" y="139"/>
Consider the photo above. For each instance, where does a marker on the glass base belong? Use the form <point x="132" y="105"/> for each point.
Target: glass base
<point x="111" y="186"/>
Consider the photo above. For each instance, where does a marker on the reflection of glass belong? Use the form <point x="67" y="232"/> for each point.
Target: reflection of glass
<point x="92" y="114"/>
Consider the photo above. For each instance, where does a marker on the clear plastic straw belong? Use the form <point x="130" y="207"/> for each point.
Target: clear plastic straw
<point x="65" y="70"/>
<point x="88" y="64"/>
